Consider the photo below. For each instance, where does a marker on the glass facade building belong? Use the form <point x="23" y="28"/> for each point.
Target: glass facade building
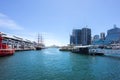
<point x="86" y="36"/>
<point x="75" y="38"/>
<point x="80" y="37"/>
<point x="113" y="35"/>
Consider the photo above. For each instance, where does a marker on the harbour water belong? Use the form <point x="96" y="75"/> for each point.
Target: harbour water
<point x="51" y="64"/>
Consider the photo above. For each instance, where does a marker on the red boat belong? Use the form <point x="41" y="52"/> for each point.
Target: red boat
<point x="4" y="48"/>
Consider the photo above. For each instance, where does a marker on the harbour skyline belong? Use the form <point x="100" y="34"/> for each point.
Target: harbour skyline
<point x="56" y="19"/>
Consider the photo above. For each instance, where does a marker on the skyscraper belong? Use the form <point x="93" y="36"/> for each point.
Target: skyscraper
<point x="75" y="38"/>
<point x="81" y="37"/>
<point x="72" y="41"/>
<point x="86" y="36"/>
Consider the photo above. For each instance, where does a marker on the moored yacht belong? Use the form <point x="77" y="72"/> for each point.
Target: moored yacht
<point x="4" y="48"/>
<point x="113" y="49"/>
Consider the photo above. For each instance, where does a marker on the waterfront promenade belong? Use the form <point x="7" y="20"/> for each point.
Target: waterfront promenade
<point x="52" y="64"/>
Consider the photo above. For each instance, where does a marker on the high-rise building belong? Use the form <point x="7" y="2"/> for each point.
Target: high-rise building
<point x="72" y="41"/>
<point x="102" y="36"/>
<point x="76" y="36"/>
<point x="80" y="37"/>
<point x="86" y="36"/>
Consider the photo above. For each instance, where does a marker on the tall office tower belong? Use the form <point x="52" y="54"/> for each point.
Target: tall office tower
<point x="72" y="42"/>
<point x="75" y="38"/>
<point x="86" y="36"/>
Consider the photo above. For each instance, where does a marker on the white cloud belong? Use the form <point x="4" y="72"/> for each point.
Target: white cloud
<point x="6" y="22"/>
<point x="2" y="15"/>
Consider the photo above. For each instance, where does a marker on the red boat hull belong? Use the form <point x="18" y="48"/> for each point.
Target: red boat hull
<point x="5" y="52"/>
<point x="4" y="48"/>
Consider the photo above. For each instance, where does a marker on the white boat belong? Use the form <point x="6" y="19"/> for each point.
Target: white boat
<point x="113" y="49"/>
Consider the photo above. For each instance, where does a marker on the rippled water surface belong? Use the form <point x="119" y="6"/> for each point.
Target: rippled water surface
<point x="51" y="64"/>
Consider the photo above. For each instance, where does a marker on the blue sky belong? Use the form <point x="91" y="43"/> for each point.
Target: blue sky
<point x="55" y="19"/>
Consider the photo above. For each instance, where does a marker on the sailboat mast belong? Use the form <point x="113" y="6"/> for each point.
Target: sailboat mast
<point x="38" y="38"/>
<point x="41" y="39"/>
